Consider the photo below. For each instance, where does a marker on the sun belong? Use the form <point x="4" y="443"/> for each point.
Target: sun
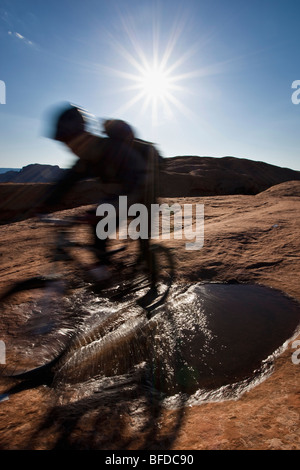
<point x="155" y="83"/>
<point x="155" y="86"/>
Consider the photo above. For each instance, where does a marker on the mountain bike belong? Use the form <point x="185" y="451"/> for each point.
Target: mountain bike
<point x="39" y="314"/>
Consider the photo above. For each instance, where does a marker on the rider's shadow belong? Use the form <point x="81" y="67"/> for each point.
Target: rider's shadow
<point x="120" y="412"/>
<point x="118" y="417"/>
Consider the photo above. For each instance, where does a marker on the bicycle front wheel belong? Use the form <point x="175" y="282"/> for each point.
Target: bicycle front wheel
<point x="34" y="324"/>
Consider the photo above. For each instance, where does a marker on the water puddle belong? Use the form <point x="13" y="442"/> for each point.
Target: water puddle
<point x="209" y="342"/>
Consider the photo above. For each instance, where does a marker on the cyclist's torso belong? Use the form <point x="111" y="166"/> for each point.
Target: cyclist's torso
<point x="113" y="162"/>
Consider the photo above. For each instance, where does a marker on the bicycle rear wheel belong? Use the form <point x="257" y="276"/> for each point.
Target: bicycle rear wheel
<point x="34" y="324"/>
<point x="140" y="269"/>
<point x="160" y="271"/>
<point x="163" y="267"/>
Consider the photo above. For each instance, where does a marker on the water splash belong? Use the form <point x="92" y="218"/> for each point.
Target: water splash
<point x="208" y="342"/>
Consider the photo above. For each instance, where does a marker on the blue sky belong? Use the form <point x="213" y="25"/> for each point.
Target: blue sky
<point x="223" y="71"/>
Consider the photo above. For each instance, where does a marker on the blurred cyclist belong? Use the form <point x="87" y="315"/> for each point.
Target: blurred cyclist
<point x="118" y="163"/>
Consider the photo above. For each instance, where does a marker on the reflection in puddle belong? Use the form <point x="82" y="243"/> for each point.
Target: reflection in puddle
<point x="211" y="341"/>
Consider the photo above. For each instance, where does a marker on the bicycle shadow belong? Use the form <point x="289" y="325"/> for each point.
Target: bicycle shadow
<point x="111" y="419"/>
<point x="122" y="413"/>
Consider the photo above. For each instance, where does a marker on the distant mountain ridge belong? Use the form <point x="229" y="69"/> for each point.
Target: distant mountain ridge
<point x="209" y="176"/>
<point x="185" y="176"/>
<point x="5" y="170"/>
<point x="34" y="173"/>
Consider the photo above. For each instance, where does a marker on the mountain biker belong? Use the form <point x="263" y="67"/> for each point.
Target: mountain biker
<point x="114" y="161"/>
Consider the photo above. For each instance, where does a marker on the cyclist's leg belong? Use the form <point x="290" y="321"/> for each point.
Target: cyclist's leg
<point x="149" y="258"/>
<point x="100" y="271"/>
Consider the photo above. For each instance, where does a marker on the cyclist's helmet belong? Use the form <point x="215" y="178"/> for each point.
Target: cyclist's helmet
<point x="69" y="124"/>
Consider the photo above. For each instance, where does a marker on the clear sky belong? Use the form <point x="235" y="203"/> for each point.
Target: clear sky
<point x="197" y="77"/>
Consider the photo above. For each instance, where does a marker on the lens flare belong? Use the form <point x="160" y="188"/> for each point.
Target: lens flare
<point x="156" y="72"/>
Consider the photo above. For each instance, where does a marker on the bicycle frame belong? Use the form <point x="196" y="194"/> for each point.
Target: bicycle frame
<point x="63" y="245"/>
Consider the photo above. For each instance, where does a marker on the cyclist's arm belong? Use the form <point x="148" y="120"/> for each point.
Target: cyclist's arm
<point x="65" y="184"/>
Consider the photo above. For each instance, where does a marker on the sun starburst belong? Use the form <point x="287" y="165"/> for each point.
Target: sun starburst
<point x="155" y="82"/>
<point x="155" y="79"/>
